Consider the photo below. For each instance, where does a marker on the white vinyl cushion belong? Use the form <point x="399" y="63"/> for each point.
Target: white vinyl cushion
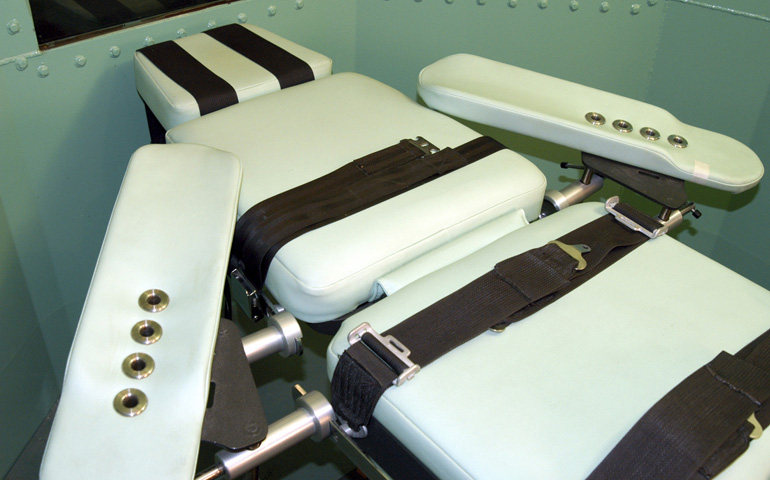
<point x="550" y="396"/>
<point x="299" y="134"/>
<point x="173" y="105"/>
<point x="552" y="109"/>
<point x="171" y="229"/>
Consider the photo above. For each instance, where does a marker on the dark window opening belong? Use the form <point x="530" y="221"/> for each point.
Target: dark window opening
<point x="64" y="21"/>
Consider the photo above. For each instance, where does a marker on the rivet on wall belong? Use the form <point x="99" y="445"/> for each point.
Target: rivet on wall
<point x="574" y="5"/>
<point x="652" y="2"/>
<point x="449" y="1"/>
<point x="272" y="10"/>
<point x="114" y="51"/>
<point x="635" y="9"/>
<point x="80" y="61"/>
<point x="604" y="7"/>
<point x="148" y="41"/>
<point x="21" y="64"/>
<point x="513" y="3"/>
<point x="542" y="4"/>
<point x="181" y="33"/>
<point x="242" y="18"/>
<point x="481" y="2"/>
<point x="212" y="23"/>
<point x="299" y="4"/>
<point x="13" y="27"/>
<point x="42" y="71"/>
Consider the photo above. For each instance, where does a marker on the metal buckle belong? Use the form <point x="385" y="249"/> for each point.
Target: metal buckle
<point x="610" y="207"/>
<point x="394" y="346"/>
<point x="757" y="432"/>
<point x="425" y="146"/>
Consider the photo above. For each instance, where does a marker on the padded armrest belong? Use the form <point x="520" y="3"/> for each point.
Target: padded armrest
<point x="171" y="229"/>
<point x="555" y="110"/>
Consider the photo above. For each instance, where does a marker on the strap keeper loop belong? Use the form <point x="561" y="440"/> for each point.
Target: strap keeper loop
<point x="393" y="346"/>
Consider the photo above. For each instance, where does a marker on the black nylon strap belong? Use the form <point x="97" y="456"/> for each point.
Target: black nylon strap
<point x="210" y="91"/>
<point x="514" y="289"/>
<point x="289" y="69"/>
<point x="367" y="181"/>
<point x="701" y="426"/>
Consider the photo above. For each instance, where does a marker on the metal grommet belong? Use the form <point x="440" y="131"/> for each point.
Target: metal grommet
<point x="146" y="332"/>
<point x="677" y="141"/>
<point x="595" y="118"/>
<point x="153" y="300"/>
<point x="649" y="133"/>
<point x="138" y="365"/>
<point x="130" y="402"/>
<point x="622" y="126"/>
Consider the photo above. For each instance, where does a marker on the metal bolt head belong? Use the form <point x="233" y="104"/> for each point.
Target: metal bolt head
<point x="13" y="27"/>
<point x="574" y="5"/>
<point x="80" y="61"/>
<point x="42" y="71"/>
<point x="21" y="64"/>
<point x="542" y="4"/>
<point x="181" y="33"/>
<point x="513" y="3"/>
<point x="114" y="51"/>
<point x="299" y="4"/>
<point x="148" y="41"/>
<point x="212" y="23"/>
<point x="604" y="7"/>
<point x="652" y="2"/>
<point x="242" y="18"/>
<point x="635" y="9"/>
<point x="272" y="10"/>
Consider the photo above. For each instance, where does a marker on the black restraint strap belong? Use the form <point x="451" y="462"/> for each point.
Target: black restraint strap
<point x="269" y="225"/>
<point x="514" y="289"/>
<point x="210" y="91"/>
<point x="287" y="68"/>
<point x="700" y="426"/>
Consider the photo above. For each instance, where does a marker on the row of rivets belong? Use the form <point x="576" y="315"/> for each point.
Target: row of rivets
<point x="624" y="126"/>
<point x="574" y="5"/>
<point x="131" y="401"/>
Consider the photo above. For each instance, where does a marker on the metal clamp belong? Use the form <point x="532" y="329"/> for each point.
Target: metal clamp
<point x="425" y="146"/>
<point x="393" y="346"/>
<point x="630" y="223"/>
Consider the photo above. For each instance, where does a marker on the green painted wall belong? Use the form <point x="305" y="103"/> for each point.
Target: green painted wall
<point x="65" y="139"/>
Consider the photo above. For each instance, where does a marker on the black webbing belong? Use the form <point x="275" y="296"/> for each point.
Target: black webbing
<point x="210" y="91"/>
<point x="514" y="289"/>
<point x="701" y="426"/>
<point x="287" y="68"/>
<point x="358" y="185"/>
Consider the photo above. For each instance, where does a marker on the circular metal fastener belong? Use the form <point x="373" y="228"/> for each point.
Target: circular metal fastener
<point x="635" y="9"/>
<point x="450" y="1"/>
<point x="80" y="61"/>
<point x="595" y="118"/>
<point x="242" y="18"/>
<point x="649" y="133"/>
<point x="148" y="41"/>
<point x="114" y="51"/>
<point x="138" y="365"/>
<point x="21" y="64"/>
<point x="574" y="5"/>
<point x="130" y="402"/>
<point x="181" y="33"/>
<point x="146" y="332"/>
<point x="42" y="71"/>
<point x="678" y="141"/>
<point x="153" y="300"/>
<point x="652" y="2"/>
<point x="212" y="23"/>
<point x="513" y="3"/>
<point x="13" y="27"/>
<point x="272" y="10"/>
<point x="604" y="7"/>
<point x="542" y="4"/>
<point x="299" y="4"/>
<point x="622" y="126"/>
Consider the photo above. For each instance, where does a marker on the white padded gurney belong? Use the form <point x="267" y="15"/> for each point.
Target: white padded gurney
<point x="551" y="395"/>
<point x="332" y="121"/>
<point x="171" y="230"/>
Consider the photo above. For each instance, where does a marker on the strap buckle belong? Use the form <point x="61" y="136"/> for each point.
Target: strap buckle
<point x="757" y="432"/>
<point x="425" y="146"/>
<point x="630" y="223"/>
<point x="393" y="346"/>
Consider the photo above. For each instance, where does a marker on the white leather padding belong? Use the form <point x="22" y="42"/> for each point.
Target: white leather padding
<point x="552" y="109"/>
<point x="550" y="396"/>
<point x="173" y="105"/>
<point x="291" y="137"/>
<point x="171" y="229"/>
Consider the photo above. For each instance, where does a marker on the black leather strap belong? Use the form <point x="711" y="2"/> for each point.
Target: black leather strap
<point x="514" y="289"/>
<point x="367" y="181"/>
<point x="702" y="425"/>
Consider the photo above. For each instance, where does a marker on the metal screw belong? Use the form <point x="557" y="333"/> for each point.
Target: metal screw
<point x="21" y="64"/>
<point x="574" y="5"/>
<point x="42" y="71"/>
<point x="181" y="33"/>
<point x="13" y="27"/>
<point x="242" y="18"/>
<point x="635" y="9"/>
<point x="114" y="51"/>
<point x="272" y="10"/>
<point x="80" y="61"/>
<point x="604" y="7"/>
